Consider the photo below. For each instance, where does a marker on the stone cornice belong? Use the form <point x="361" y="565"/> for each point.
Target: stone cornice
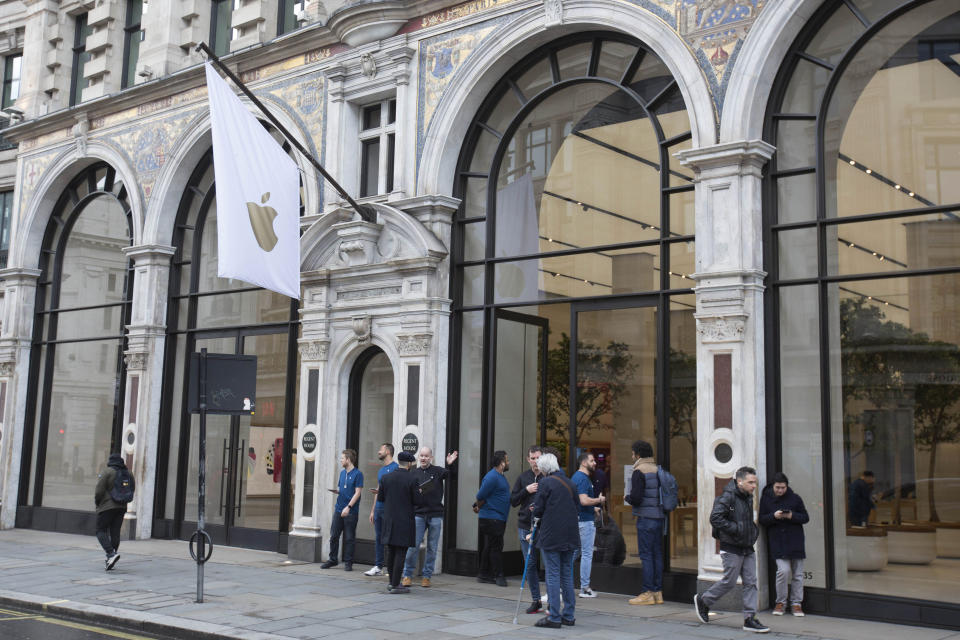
<point x="729" y="154"/>
<point x="13" y="275"/>
<point x="150" y="253"/>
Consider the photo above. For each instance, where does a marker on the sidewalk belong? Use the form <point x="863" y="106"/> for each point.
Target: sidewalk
<point x="259" y="595"/>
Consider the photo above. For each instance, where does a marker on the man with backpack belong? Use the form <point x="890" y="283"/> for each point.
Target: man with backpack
<point x="653" y="492"/>
<point x="115" y="488"/>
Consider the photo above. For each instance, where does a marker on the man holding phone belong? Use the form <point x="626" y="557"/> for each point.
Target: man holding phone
<point x="783" y="513"/>
<point x="345" y="513"/>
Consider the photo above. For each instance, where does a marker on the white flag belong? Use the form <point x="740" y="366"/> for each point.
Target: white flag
<point x="258" y="197"/>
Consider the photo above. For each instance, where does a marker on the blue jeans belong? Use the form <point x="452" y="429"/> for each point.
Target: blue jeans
<point x="378" y="542"/>
<point x="531" y="576"/>
<point x="559" y="568"/>
<point x="650" y="546"/>
<point x="432" y="526"/>
<point x="588" y="532"/>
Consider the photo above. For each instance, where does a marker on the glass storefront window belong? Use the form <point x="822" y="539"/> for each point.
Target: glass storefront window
<point x="876" y="355"/>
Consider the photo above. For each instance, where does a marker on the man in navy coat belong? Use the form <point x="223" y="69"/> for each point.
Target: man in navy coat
<point x="783" y="513"/>
<point x="400" y="494"/>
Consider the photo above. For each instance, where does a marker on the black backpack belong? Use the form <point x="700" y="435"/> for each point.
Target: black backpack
<point x="122" y="489"/>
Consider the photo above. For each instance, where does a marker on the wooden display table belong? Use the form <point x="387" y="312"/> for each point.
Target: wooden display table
<point x="866" y="548"/>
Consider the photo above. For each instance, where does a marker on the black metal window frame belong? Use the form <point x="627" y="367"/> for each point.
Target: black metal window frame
<point x="11" y="80"/>
<point x="458" y="560"/>
<point x="80" y="33"/>
<point x="131" y="30"/>
<point x="220" y="10"/>
<point x="829" y="600"/>
<point x="287" y="20"/>
<point x="68" y="208"/>
<point x="189" y="257"/>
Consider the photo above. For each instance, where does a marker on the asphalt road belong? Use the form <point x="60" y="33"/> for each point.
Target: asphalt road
<point x="25" y="625"/>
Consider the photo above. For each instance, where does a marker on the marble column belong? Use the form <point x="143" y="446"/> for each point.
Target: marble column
<point x="19" y="296"/>
<point x="144" y="371"/>
<point x="731" y="413"/>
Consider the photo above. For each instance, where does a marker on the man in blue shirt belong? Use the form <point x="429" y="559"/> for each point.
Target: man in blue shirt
<point x="588" y="530"/>
<point x="345" y="513"/>
<point x="492" y="507"/>
<point x="385" y="455"/>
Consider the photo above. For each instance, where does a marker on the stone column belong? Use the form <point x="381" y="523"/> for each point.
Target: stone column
<point x="406" y="125"/>
<point x="144" y="360"/>
<point x="45" y="81"/>
<point x="19" y="296"/>
<point x="335" y="139"/>
<point x="731" y="417"/>
<point x="316" y="438"/>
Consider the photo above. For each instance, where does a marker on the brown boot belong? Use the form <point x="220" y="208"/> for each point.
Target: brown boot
<point x="658" y="596"/>
<point x="646" y="597"/>
<point x="779" y="609"/>
<point x="425" y="582"/>
<point x="797" y="610"/>
<point x="405" y="582"/>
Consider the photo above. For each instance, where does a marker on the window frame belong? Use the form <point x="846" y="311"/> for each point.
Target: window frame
<point x="383" y="134"/>
<point x="81" y="32"/>
<point x="9" y="61"/>
<point x="132" y="29"/>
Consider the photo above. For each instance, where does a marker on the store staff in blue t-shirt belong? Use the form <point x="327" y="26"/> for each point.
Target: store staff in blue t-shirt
<point x="493" y="507"/>
<point x="589" y="505"/>
<point x="346" y="512"/>
<point x="385" y="455"/>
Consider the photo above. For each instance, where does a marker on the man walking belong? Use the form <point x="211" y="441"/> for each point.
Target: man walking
<point x="783" y="513"/>
<point x="400" y="494"/>
<point x="557" y="506"/>
<point x="733" y="525"/>
<point x="588" y="506"/>
<point x="522" y="495"/>
<point x="346" y="512"/>
<point x="492" y="507"/>
<point x="115" y="488"/>
<point x="644" y="499"/>
<point x="385" y="455"/>
<point x="429" y="514"/>
<point x="861" y="499"/>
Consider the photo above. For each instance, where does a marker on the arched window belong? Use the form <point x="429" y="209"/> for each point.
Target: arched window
<point x="249" y="489"/>
<point x="863" y="233"/>
<point x="573" y="256"/>
<point x="74" y="408"/>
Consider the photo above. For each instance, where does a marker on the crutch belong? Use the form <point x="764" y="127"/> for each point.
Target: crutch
<point x="526" y="563"/>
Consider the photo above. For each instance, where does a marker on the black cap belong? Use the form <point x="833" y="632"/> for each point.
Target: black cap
<point x="406" y="456"/>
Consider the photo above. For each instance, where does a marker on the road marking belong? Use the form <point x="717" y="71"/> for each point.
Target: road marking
<point x="85" y="627"/>
<point x="47" y="604"/>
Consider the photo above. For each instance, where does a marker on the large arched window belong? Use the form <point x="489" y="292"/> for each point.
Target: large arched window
<point x="863" y="250"/>
<point x="74" y="408"/>
<point x="573" y="255"/>
<point x="249" y="489"/>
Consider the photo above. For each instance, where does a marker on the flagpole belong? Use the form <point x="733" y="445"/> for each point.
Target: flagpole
<point x="366" y="213"/>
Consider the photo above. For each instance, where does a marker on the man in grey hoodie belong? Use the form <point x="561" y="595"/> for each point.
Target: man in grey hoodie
<point x="111" y="503"/>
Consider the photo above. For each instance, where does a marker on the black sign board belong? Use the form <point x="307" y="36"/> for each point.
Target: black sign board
<point x="231" y="384"/>
<point x="410" y="444"/>
<point x="308" y="442"/>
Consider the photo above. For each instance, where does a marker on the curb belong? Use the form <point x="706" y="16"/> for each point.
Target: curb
<point x="127" y="619"/>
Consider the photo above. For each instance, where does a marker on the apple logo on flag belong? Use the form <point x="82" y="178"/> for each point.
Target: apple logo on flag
<point x="261" y="220"/>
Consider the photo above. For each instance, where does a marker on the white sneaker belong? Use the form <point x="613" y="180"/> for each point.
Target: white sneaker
<point x="112" y="560"/>
<point x="587" y="593"/>
<point x="374" y="571"/>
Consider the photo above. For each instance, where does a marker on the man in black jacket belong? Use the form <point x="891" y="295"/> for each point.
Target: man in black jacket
<point x="733" y="526"/>
<point x="558" y="506"/>
<point x="400" y="495"/>
<point x="522" y="495"/>
<point x="110" y="513"/>
<point x="783" y="513"/>
<point x="429" y="514"/>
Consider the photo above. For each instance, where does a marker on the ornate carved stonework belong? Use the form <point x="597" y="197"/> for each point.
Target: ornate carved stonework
<point x="80" y="131"/>
<point x="360" y="294"/>
<point x="721" y="328"/>
<point x="367" y="65"/>
<point x="362" y="327"/>
<point x="314" y="349"/>
<point x="554" y="10"/>
<point x="6" y="369"/>
<point x="414" y="345"/>
<point x="136" y="360"/>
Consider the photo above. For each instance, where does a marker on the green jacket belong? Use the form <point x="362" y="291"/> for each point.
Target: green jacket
<point x="105" y="480"/>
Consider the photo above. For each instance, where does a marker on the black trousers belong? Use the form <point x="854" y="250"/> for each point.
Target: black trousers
<point x="491" y="547"/>
<point x="348" y="527"/>
<point x="108" y="529"/>
<point x="396" y="555"/>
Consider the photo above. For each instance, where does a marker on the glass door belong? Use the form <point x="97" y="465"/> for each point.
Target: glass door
<point x="518" y="399"/>
<point x="247" y="484"/>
